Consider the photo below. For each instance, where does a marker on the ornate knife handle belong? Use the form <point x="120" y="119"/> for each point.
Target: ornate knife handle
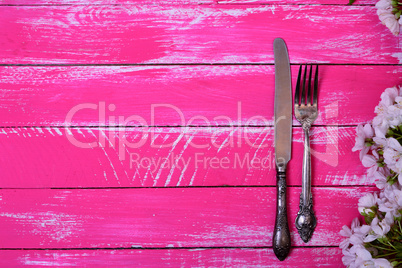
<point x="306" y="220"/>
<point x="281" y="241"/>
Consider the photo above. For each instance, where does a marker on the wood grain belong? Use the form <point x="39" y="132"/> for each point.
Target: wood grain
<point x="294" y="2"/>
<point x="181" y="95"/>
<point x="147" y="215"/>
<point x="160" y="157"/>
<point x="164" y="218"/>
<point x="151" y="34"/>
<point x="180" y="2"/>
<point x="107" y="2"/>
<point x="197" y="257"/>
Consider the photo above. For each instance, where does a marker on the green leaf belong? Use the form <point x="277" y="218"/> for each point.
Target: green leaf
<point x="399" y="255"/>
<point x="380" y="163"/>
<point x="368" y="219"/>
<point x="351" y="2"/>
<point x="398" y="246"/>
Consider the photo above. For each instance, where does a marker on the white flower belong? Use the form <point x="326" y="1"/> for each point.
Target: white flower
<point x="367" y="202"/>
<point x="390" y="202"/>
<point x="370" y="161"/>
<point x="388" y="96"/>
<point x="394" y="115"/>
<point x="349" y="257"/>
<point x="378" y="229"/>
<point x="354" y="235"/>
<point x="364" y="257"/>
<point x="382" y="263"/>
<point x="385" y="207"/>
<point x="357" y="256"/>
<point x="384" y="4"/>
<point x="380" y="178"/>
<point x="348" y="232"/>
<point x="389" y="112"/>
<point x="398" y="100"/>
<point x="380" y="139"/>
<point x="363" y="133"/>
<point x="393" y="155"/>
<point x="387" y="99"/>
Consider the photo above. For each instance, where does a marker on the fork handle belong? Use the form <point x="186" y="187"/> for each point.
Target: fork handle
<point x="306" y="220"/>
<point x="281" y="240"/>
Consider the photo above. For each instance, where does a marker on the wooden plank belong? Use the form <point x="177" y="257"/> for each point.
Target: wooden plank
<point x="159" y="157"/>
<point x="164" y="218"/>
<point x="193" y="34"/>
<point x="301" y="2"/>
<point x="176" y="2"/>
<point x="177" y="95"/>
<point x="106" y="2"/>
<point x="197" y="257"/>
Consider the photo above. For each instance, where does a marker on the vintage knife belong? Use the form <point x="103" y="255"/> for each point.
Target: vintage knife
<point x="283" y="145"/>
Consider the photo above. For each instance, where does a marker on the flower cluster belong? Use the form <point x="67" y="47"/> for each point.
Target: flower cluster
<point x="378" y="242"/>
<point x="389" y="12"/>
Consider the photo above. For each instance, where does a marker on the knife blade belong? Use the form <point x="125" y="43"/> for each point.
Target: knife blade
<point x="283" y="145"/>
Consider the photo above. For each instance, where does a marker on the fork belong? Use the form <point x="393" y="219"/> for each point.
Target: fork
<point x="306" y="112"/>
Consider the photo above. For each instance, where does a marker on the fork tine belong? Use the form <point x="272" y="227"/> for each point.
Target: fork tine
<point x="303" y="94"/>
<point x="315" y="86"/>
<point x="309" y="86"/>
<point x="297" y="92"/>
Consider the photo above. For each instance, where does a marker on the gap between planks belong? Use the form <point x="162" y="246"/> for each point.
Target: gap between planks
<point x="184" y="64"/>
<point x="161" y="248"/>
<point x="171" y="126"/>
<point x="184" y="187"/>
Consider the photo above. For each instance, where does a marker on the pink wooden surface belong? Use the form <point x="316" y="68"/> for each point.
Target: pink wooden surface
<point x="160" y="157"/>
<point x="193" y="34"/>
<point x="231" y="257"/>
<point x="224" y="95"/>
<point x="61" y="205"/>
<point x="177" y="2"/>
<point x="304" y="2"/>
<point x="301" y="257"/>
<point x="106" y="2"/>
<point x="164" y="218"/>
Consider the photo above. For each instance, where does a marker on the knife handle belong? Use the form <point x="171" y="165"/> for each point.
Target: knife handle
<point x="281" y="241"/>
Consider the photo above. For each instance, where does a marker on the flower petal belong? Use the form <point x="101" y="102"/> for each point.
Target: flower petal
<point x="369" y="161"/>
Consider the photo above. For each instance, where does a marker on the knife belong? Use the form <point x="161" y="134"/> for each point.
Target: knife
<point x="283" y="145"/>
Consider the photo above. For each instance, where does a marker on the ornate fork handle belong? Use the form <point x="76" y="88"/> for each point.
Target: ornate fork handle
<point x="306" y="111"/>
<point x="306" y="220"/>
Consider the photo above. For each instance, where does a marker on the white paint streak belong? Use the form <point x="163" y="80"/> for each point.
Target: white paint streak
<point x="227" y="139"/>
<point x="111" y="164"/>
<point x="167" y="158"/>
<point x="50" y="130"/>
<point x="57" y="130"/>
<point x="177" y="160"/>
<point x="398" y="56"/>
<point x="193" y="177"/>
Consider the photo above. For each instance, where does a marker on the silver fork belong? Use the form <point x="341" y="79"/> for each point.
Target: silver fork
<point x="306" y="112"/>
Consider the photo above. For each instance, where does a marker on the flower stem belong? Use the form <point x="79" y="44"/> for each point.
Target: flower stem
<point x="375" y="246"/>
<point x="392" y="246"/>
<point x="383" y="255"/>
